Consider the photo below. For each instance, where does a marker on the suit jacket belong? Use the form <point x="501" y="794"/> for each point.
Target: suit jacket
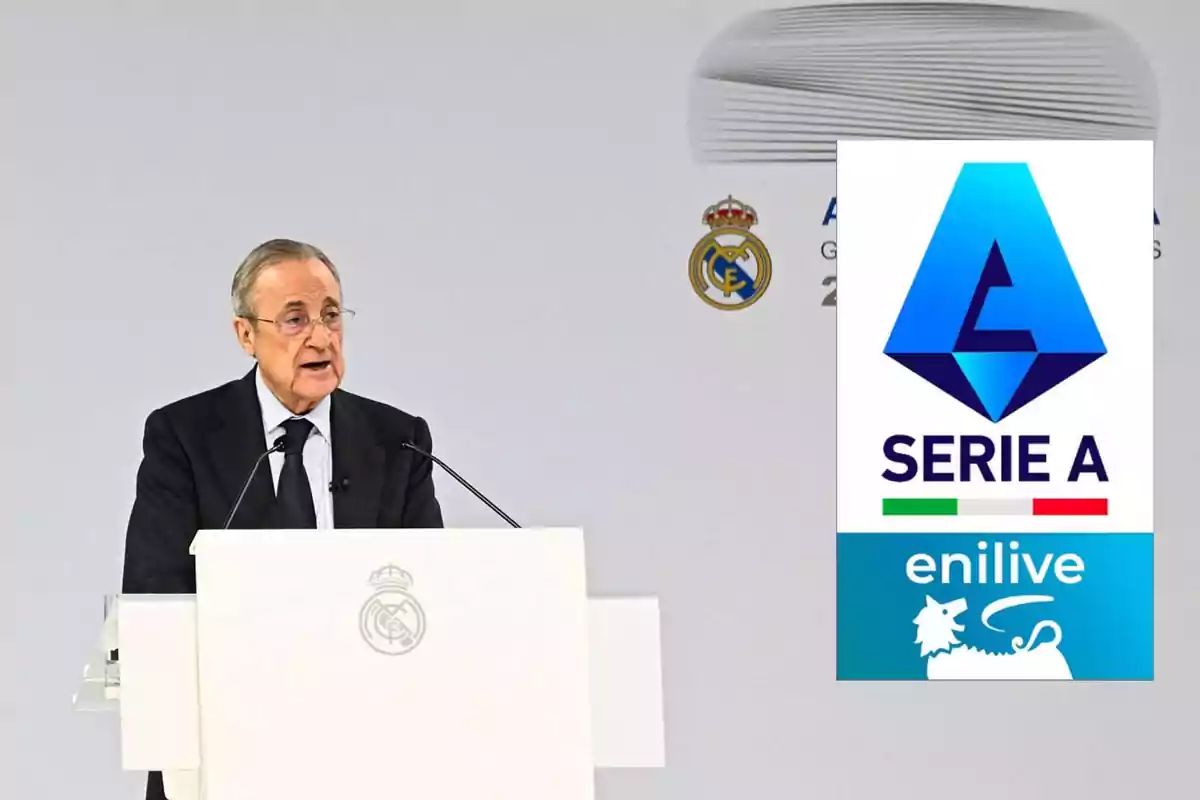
<point x="197" y="453"/>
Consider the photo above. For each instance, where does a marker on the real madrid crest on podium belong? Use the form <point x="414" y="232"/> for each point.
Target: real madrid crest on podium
<point x="730" y="267"/>
<point x="392" y="621"/>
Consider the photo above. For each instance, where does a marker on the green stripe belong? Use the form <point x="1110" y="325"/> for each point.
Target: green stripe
<point x="920" y="506"/>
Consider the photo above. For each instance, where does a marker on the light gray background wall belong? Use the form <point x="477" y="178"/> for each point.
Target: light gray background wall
<point x="509" y="190"/>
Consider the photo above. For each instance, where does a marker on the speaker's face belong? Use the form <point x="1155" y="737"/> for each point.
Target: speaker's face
<point x="297" y="339"/>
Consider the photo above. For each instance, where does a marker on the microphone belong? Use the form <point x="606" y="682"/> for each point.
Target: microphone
<point x="461" y="480"/>
<point x="342" y="485"/>
<point x="275" y="448"/>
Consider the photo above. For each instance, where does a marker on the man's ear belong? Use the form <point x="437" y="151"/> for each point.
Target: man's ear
<point x="244" y="331"/>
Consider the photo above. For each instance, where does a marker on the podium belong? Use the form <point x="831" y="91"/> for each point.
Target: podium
<point x="433" y="664"/>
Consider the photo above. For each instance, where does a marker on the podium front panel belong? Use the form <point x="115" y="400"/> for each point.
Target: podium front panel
<point x="432" y="664"/>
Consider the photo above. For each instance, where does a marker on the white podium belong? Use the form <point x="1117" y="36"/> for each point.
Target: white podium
<point x="433" y="664"/>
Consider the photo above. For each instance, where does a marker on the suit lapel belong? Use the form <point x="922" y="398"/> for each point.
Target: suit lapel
<point x="236" y="444"/>
<point x="358" y="460"/>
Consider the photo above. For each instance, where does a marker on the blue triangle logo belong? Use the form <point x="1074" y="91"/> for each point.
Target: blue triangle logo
<point x="995" y="377"/>
<point x="995" y="317"/>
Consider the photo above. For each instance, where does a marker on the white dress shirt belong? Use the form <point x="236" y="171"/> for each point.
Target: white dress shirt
<point x="318" y="450"/>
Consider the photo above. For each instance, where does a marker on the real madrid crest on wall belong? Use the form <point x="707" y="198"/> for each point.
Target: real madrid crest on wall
<point x="392" y="621"/>
<point x="730" y="267"/>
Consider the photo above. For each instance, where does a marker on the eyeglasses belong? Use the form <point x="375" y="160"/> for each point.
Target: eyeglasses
<point x="298" y="322"/>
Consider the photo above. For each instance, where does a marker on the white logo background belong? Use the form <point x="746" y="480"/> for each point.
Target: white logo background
<point x="1100" y="198"/>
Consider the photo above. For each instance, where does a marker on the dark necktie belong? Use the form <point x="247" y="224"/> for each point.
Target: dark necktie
<point x="294" y="497"/>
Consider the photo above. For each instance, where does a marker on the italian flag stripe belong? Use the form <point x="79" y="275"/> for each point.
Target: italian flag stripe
<point x="961" y="507"/>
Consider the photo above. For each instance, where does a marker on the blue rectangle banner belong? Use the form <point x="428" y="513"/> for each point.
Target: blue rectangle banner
<point x="960" y="606"/>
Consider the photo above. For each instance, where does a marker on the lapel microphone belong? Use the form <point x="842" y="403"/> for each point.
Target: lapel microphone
<point x="275" y="448"/>
<point x="460" y="479"/>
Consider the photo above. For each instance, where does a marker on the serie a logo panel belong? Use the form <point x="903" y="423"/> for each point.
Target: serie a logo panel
<point x="995" y="377"/>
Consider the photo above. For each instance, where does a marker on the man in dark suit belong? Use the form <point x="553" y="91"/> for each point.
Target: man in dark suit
<point x="340" y="463"/>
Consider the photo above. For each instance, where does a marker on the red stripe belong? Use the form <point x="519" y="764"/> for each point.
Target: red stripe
<point x="1070" y="507"/>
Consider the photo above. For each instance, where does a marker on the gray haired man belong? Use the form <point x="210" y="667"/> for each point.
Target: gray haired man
<point x="341" y="462"/>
